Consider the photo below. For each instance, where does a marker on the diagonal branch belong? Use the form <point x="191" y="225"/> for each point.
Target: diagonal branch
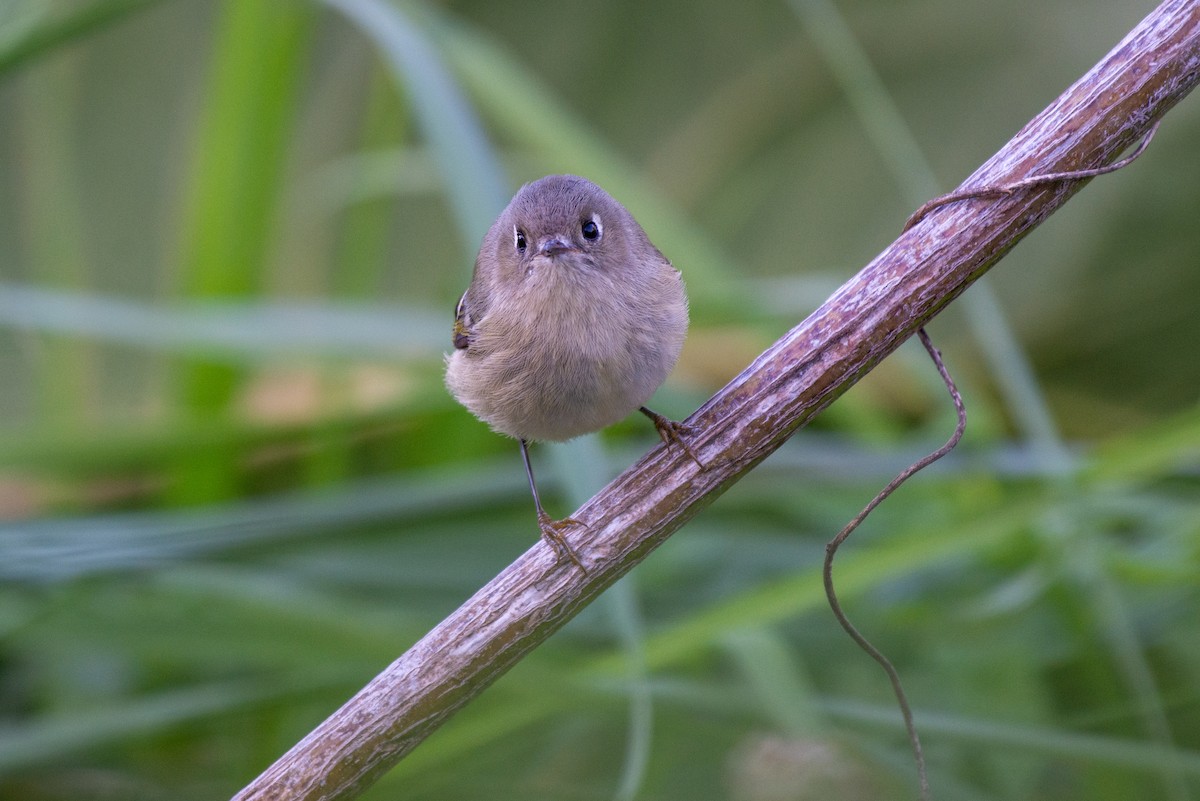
<point x="1089" y="125"/>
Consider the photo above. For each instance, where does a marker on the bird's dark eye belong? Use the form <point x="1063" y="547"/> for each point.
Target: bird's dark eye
<point x="591" y="230"/>
<point x="520" y="240"/>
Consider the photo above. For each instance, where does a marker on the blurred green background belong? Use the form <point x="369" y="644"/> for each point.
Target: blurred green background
<point x="233" y="488"/>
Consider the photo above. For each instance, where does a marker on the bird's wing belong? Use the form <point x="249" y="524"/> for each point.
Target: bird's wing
<point x="462" y="323"/>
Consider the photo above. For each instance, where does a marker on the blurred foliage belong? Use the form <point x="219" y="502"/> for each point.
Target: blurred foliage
<point x="231" y="235"/>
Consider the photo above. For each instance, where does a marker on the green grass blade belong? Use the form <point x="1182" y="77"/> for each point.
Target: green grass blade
<point x="476" y="185"/>
<point x="44" y="36"/>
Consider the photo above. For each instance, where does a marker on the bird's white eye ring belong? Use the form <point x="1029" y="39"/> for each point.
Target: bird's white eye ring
<point x="519" y="240"/>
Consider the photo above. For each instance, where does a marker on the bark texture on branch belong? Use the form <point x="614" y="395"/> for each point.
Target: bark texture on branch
<point x="870" y="316"/>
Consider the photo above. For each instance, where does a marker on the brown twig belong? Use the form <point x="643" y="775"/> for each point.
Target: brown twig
<point x="1155" y="66"/>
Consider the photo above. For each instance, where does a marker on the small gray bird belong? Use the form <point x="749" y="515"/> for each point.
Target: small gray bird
<point x="571" y="322"/>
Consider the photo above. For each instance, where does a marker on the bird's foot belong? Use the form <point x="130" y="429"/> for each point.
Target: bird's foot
<point x="552" y="532"/>
<point x="672" y="431"/>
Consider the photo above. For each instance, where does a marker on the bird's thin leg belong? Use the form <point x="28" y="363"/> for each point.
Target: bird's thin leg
<point x="672" y="431"/>
<point x="552" y="530"/>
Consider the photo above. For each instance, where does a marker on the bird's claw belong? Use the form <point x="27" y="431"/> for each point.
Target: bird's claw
<point x="673" y="431"/>
<point x="552" y="532"/>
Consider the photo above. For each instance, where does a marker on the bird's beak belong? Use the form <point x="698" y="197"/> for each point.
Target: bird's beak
<point x="551" y="246"/>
